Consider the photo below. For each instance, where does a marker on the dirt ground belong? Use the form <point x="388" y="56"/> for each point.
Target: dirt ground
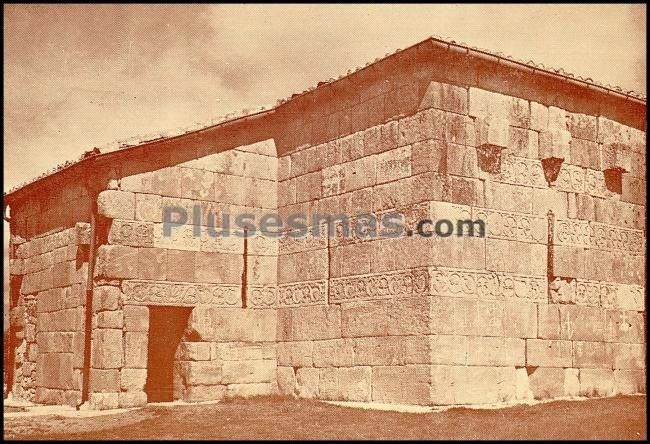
<point x="278" y="418"/>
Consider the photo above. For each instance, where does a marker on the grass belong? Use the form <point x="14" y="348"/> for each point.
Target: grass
<point x="621" y="417"/>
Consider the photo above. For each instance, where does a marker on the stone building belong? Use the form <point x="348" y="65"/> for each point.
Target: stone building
<point x="107" y="309"/>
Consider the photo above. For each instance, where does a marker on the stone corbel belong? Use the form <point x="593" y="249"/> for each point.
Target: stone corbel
<point x="616" y="159"/>
<point x="491" y="140"/>
<point x="551" y="167"/>
<point x="489" y="158"/>
<point x="554" y="149"/>
<point x="614" y="179"/>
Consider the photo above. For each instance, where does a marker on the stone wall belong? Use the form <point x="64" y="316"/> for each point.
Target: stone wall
<point x="234" y="356"/>
<point x="550" y="302"/>
<point x="139" y="266"/>
<point x="49" y="318"/>
<point x="463" y="320"/>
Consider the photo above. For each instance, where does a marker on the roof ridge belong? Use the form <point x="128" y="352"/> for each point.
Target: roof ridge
<point x="552" y="69"/>
<point x="142" y="139"/>
<point x="500" y="55"/>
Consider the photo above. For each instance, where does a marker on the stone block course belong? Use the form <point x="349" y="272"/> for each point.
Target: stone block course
<point x="629" y="381"/>
<point x="449" y="349"/>
<point x="296" y="353"/>
<point x="233" y="324"/>
<point x="592" y="355"/>
<point x="251" y="389"/>
<point x="136" y="318"/>
<point x="194" y="351"/>
<point x="334" y="353"/>
<point x="133" y="379"/>
<point x="386" y="350"/>
<point x="626" y="356"/>
<point x="549" y="382"/>
<point x="104" y="381"/>
<point x="346" y="384"/>
<point x="286" y="379"/>
<point x="116" y="204"/>
<point x="107" y="349"/>
<point x="494" y="351"/>
<point x="596" y="382"/>
<point x="307" y="382"/>
<point x="251" y="371"/>
<point x="316" y="322"/>
<point x="201" y="372"/>
<point x="110" y="319"/>
<point x="55" y="371"/>
<point x="117" y="261"/>
<point x="132" y="399"/>
<point x="237" y="351"/>
<point x="547" y="353"/>
<point x="410" y="384"/>
<point x="446" y="97"/>
<point x="365" y="319"/>
<point x="478" y="385"/>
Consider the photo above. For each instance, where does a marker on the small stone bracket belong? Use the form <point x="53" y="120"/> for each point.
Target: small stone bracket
<point x="489" y="158"/>
<point x="614" y="179"/>
<point x="551" y="166"/>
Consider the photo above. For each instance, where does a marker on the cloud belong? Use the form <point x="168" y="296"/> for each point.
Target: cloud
<point x="78" y="76"/>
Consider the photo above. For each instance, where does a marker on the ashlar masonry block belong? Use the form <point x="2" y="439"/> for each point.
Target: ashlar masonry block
<point x="446" y="97"/>
<point x="597" y="382"/>
<point x="300" y="353"/>
<point x="555" y="143"/>
<point x="116" y="204"/>
<point x="286" y="379"/>
<point x="629" y="381"/>
<point x="547" y="382"/>
<point x="407" y="384"/>
<point x="196" y="373"/>
<point x="334" y="353"/>
<point x="233" y="324"/>
<point x="107" y="349"/>
<point x="307" y="382"/>
<point x="547" y="353"/>
<point x="250" y="371"/>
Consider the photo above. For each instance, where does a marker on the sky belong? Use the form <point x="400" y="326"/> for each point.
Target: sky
<point x="80" y="76"/>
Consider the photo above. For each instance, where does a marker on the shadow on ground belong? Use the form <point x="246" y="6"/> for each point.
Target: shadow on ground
<point x="621" y="417"/>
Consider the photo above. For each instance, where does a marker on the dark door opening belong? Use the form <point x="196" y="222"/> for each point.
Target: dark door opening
<point x="166" y="327"/>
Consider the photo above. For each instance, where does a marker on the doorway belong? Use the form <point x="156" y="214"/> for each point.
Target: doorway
<point x="166" y="327"/>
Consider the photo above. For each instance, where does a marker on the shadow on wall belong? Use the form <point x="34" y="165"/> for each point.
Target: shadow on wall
<point x="61" y="200"/>
<point x="166" y="328"/>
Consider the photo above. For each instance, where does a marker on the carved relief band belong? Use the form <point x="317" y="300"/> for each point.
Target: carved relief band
<point x="262" y="296"/>
<point x="258" y="244"/>
<point x="522" y="171"/>
<point x="137" y="292"/>
<point x="303" y="293"/>
<point x="380" y="285"/>
<point x="512" y="226"/>
<point x="487" y="285"/>
<point x="598" y="294"/>
<point x="132" y="233"/>
<point x="597" y="235"/>
<point x="571" y="178"/>
<point x="595" y="184"/>
<point x="263" y="245"/>
<point x="610" y="295"/>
